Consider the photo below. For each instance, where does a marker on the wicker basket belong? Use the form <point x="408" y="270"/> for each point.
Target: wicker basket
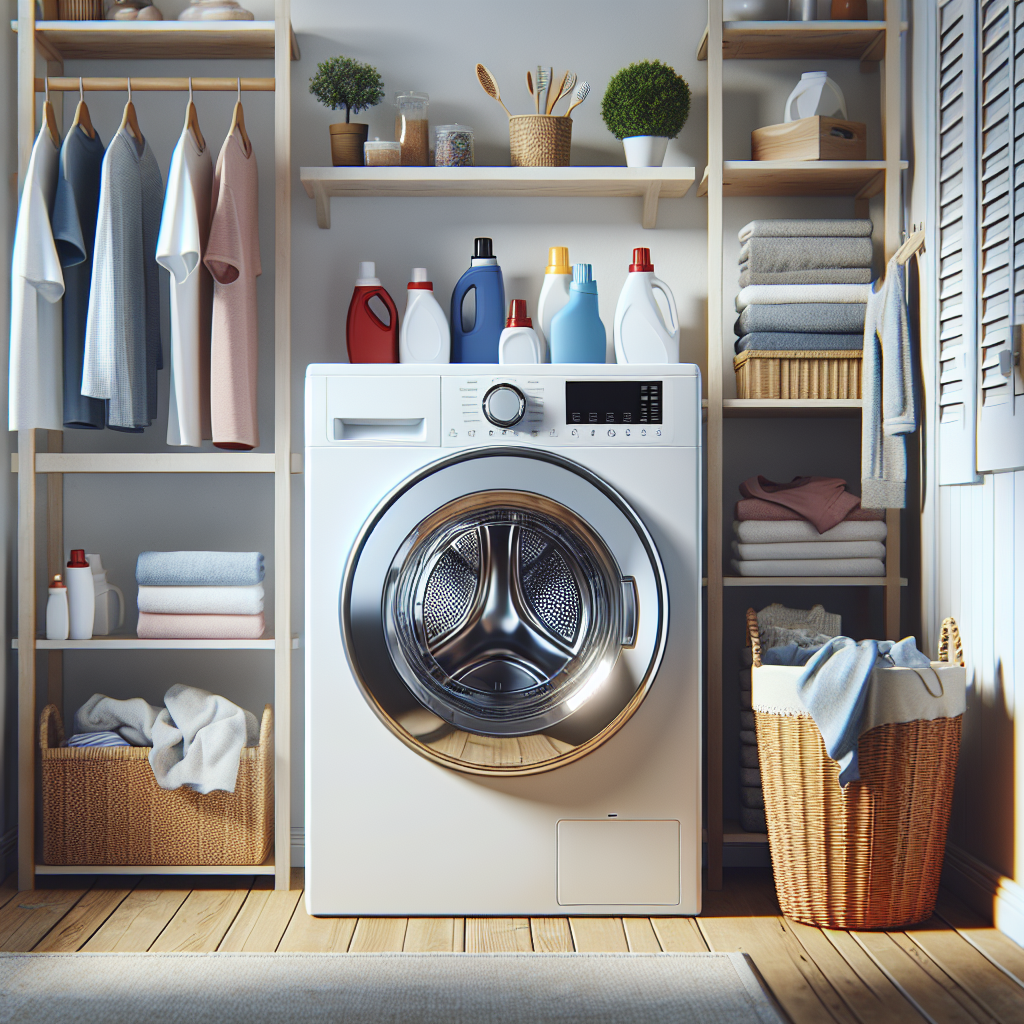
<point x="870" y="855"/>
<point x="798" y="374"/>
<point x="101" y="805"/>
<point x="540" y="140"/>
<point x="80" y="10"/>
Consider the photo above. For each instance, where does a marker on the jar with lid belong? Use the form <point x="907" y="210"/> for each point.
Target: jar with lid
<point x="411" y="128"/>
<point x="382" y="154"/>
<point x="453" y="146"/>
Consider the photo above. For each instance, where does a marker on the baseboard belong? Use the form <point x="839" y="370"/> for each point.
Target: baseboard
<point x="998" y="898"/>
<point x="298" y="846"/>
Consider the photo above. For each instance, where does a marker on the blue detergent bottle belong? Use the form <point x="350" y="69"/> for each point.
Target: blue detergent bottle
<point x="480" y="343"/>
<point x="577" y="334"/>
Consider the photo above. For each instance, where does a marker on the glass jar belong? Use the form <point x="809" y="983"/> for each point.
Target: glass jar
<point x="382" y="154"/>
<point x="411" y="128"/>
<point x="454" y="146"/>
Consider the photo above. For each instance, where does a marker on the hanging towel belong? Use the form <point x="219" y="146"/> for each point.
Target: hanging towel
<point x="200" y="627"/>
<point x="834" y="275"/>
<point x="823" y="501"/>
<point x="35" y="378"/>
<point x="199" y="569"/>
<point x="755" y="508"/>
<point x="753" y="532"/>
<point x="779" y="342"/>
<point x="838" y="228"/>
<point x="774" y="255"/>
<point x="202" y="600"/>
<point x="810" y="549"/>
<point x="811" y="567"/>
<point x="899" y="394"/>
<point x="779" y="294"/>
<point x="803" y="318"/>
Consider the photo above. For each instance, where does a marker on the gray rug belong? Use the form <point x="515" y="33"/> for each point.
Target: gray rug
<point x="382" y="988"/>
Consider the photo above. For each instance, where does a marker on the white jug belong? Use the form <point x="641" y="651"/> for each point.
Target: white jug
<point x="815" y="95"/>
<point x="106" y="594"/>
<point x="646" y="325"/>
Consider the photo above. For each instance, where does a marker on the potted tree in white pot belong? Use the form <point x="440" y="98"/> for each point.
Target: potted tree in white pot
<point x="645" y="105"/>
<point x="344" y="82"/>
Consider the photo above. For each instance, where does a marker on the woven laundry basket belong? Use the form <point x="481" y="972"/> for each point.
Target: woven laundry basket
<point x="798" y="374"/>
<point x="102" y="805"/>
<point x="870" y="855"/>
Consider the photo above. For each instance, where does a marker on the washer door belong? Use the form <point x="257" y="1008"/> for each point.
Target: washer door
<point x="504" y="613"/>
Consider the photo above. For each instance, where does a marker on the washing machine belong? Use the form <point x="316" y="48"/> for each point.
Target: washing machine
<point x="503" y="640"/>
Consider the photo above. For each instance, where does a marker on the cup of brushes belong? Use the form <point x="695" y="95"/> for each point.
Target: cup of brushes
<point x="540" y="139"/>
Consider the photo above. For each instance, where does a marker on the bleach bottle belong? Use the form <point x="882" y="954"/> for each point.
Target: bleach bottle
<point x="424" y="337"/>
<point x="519" y="342"/>
<point x="479" y="344"/>
<point x="577" y="334"/>
<point x="369" y="339"/>
<point x="646" y="327"/>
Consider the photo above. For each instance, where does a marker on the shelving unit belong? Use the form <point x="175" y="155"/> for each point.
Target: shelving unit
<point x="865" y="41"/>
<point x="54" y="42"/>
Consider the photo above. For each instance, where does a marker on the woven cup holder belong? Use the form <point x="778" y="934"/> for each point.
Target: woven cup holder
<point x="540" y="140"/>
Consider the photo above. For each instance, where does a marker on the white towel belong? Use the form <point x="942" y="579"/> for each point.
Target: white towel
<point x="202" y="600"/>
<point x="811" y="549"/>
<point x="779" y="294"/>
<point x="756" y="531"/>
<point x="811" y="567"/>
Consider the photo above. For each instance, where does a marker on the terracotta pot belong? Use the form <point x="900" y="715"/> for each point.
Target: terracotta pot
<point x="347" y="144"/>
<point x="849" y="10"/>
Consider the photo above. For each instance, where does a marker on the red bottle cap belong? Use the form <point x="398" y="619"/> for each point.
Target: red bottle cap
<point x="641" y="262"/>
<point x="78" y="559"/>
<point x="517" y="314"/>
<point x="58" y="583"/>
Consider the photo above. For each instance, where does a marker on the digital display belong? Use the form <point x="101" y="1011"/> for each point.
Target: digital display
<point x="612" y="401"/>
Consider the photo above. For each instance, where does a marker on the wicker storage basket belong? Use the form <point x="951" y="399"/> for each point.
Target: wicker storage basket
<point x="798" y="374"/>
<point x="870" y="855"/>
<point x="101" y="805"/>
<point x="540" y="140"/>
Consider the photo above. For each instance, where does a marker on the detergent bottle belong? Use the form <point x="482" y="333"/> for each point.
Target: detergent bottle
<point x="554" y="292"/>
<point x="519" y="342"/>
<point x="370" y="340"/>
<point x="479" y="343"/>
<point x="424" y="337"/>
<point x="645" y="330"/>
<point x="577" y="334"/>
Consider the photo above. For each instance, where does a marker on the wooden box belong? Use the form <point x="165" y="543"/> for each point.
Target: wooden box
<point x="810" y="138"/>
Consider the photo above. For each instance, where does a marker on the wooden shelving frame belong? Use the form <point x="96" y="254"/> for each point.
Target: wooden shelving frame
<point x="53" y="42"/>
<point x="828" y="40"/>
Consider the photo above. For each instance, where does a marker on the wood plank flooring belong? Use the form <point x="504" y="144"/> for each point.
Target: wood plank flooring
<point x="954" y="969"/>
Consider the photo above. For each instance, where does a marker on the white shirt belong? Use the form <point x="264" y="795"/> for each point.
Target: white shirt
<point x="36" y="386"/>
<point x="184" y="230"/>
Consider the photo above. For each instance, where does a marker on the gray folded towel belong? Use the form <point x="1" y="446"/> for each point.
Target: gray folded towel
<point x="750" y="777"/>
<point x="846" y="228"/>
<point x="745" y="700"/>
<point x="835" y="275"/>
<point x="779" y="341"/>
<point x="803" y="318"/>
<point x="747" y="719"/>
<point x="752" y="820"/>
<point x="777" y="254"/>
<point x="752" y="796"/>
<point x="199" y="569"/>
<point x="748" y="737"/>
<point x="748" y="756"/>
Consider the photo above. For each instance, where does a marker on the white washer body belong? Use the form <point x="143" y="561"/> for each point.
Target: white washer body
<point x="390" y="831"/>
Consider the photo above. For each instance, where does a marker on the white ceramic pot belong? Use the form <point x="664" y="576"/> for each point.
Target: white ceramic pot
<point x="645" y="150"/>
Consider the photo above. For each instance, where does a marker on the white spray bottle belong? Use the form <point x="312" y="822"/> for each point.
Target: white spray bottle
<point x="646" y="328"/>
<point x="424" y="336"/>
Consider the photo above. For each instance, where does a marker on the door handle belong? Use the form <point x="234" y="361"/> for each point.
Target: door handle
<point x="630" y="611"/>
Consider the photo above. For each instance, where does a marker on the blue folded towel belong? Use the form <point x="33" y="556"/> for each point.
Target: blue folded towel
<point x="199" y="569"/>
<point x="834" y="689"/>
<point x="788" y="654"/>
<point x="791" y="341"/>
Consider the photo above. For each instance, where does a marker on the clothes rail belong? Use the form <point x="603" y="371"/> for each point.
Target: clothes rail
<point x="155" y="84"/>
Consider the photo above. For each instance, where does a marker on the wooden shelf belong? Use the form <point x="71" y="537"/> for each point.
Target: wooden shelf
<point x="266" y="868"/>
<point x="733" y="832"/>
<point x="189" y="40"/>
<point x="134" y="643"/>
<point x="860" y="179"/>
<point x="156" y="462"/>
<point x="800" y="40"/>
<point x="649" y="183"/>
<point x="807" y="581"/>
<point x="784" y="408"/>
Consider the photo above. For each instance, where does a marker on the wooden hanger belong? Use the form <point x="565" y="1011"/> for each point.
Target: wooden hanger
<point x="49" y="116"/>
<point x="192" y="120"/>
<point x="238" y="122"/>
<point x="913" y="246"/>
<point x="130" y="119"/>
<point x="82" y="119"/>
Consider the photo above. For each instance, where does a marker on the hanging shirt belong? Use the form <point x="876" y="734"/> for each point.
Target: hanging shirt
<point x="36" y="380"/>
<point x="122" y="336"/>
<point x="184" y="230"/>
<point x="74" y="231"/>
<point x="233" y="256"/>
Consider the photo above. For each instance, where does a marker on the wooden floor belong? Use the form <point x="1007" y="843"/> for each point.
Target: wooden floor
<point x="955" y="968"/>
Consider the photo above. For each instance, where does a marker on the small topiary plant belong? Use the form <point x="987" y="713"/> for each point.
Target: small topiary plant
<point x="344" y="82"/>
<point x="647" y="98"/>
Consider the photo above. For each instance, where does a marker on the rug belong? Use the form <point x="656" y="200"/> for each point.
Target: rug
<point x="382" y="988"/>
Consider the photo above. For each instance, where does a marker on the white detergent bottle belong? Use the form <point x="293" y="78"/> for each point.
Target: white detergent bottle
<point x="81" y="596"/>
<point x="424" y="336"/>
<point x="554" y="294"/>
<point x="646" y="327"/>
<point x="518" y="342"/>
<point x="58" y="625"/>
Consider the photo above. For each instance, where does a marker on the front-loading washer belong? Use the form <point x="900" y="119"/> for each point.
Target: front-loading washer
<point x="502" y="647"/>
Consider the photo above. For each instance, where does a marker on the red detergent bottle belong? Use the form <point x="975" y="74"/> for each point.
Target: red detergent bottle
<point x="370" y="339"/>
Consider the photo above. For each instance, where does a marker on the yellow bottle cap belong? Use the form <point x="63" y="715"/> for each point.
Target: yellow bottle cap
<point x="558" y="260"/>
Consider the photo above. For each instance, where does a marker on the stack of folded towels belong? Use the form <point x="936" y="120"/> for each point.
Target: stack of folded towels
<point x="200" y="595"/>
<point x="804" y="285"/>
<point x="812" y="526"/>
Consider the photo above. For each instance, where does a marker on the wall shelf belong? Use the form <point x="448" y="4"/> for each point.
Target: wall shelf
<point x="134" y="643"/>
<point x="860" y="179"/>
<point x="155" y="462"/>
<point x="266" y="868"/>
<point x="800" y="40"/>
<point x="786" y="408"/>
<point x="807" y="581"/>
<point x="649" y="183"/>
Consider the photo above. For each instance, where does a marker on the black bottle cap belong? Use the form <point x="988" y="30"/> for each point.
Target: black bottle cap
<point x="482" y="249"/>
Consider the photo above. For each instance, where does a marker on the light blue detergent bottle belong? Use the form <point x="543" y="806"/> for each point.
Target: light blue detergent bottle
<point x="479" y="344"/>
<point x="577" y="334"/>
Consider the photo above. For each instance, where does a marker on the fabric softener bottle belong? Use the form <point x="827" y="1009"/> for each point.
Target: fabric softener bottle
<point x="479" y="344"/>
<point x="577" y="334"/>
<point x="369" y="339"/>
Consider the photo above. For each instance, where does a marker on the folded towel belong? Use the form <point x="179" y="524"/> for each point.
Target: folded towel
<point x="755" y="508"/>
<point x="765" y="341"/>
<point x="836" y="228"/>
<point x="752" y="796"/>
<point x="784" y="294"/>
<point x="200" y="627"/>
<point x="821" y="500"/>
<point x="803" y="318"/>
<point x="782" y="254"/>
<point x="815" y="619"/>
<point x="199" y="569"/>
<point x="810" y="549"/>
<point x="745" y="699"/>
<point x="752" y="820"/>
<point x="835" y="275"/>
<point x="750" y="777"/>
<point x="202" y="600"/>
<point x="747" y="720"/>
<point x="789" y="655"/>
<point x="748" y="737"/>
<point x="97" y="739"/>
<point x="811" y="567"/>
<point x="755" y="532"/>
<point x="748" y="756"/>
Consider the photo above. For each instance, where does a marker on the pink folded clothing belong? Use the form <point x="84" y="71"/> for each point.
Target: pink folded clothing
<point x="823" y="501"/>
<point x="157" y="626"/>
<point x="768" y="511"/>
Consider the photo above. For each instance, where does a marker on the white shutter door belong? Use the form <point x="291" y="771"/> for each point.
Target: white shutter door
<point x="957" y="236"/>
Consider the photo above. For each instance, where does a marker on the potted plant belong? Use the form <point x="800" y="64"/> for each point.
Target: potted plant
<point x="645" y="105"/>
<point x="344" y="82"/>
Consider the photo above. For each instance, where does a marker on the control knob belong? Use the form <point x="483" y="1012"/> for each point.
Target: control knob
<point x="504" y="405"/>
